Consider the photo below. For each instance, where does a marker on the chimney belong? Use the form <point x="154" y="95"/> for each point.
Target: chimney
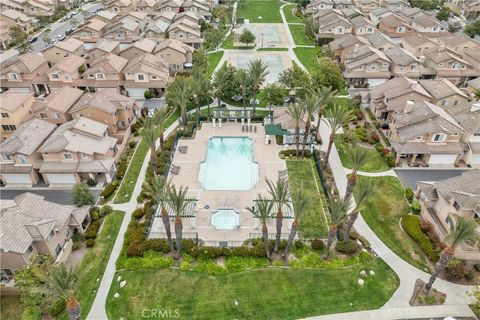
<point x="408" y="106"/>
<point x="355" y="48"/>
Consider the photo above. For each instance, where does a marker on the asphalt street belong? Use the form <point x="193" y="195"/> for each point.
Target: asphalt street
<point x="409" y="177"/>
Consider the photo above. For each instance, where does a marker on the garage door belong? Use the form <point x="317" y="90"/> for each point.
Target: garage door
<point x="17" y="178"/>
<point x="136" y="92"/>
<point x="57" y="178"/>
<point x="442" y="159"/>
<point x="375" y="82"/>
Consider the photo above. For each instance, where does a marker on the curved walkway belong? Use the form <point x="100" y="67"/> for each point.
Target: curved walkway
<point x="387" y="173"/>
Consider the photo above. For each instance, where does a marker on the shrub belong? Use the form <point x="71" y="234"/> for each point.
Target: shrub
<point x="390" y="159"/>
<point x="81" y="195"/>
<point x="409" y="194"/>
<point x="109" y="189"/>
<point x="57" y="307"/>
<point x="138" y="213"/>
<point x="150" y="260"/>
<point x="476" y="266"/>
<point x="157" y="245"/>
<point x="122" y="169"/>
<point x="362" y="134"/>
<point x="32" y="313"/>
<point x="91" y="182"/>
<point x="456" y="269"/>
<point x="188" y="244"/>
<point x="379" y="148"/>
<point x="77" y="239"/>
<point x="147" y="94"/>
<point x="364" y="242"/>
<point x="209" y="267"/>
<point x="375" y="137"/>
<point x="135" y="249"/>
<point x="347" y="248"/>
<point x="132" y="143"/>
<point x="185" y="266"/>
<point x="416" y="208"/>
<point x="105" y="210"/>
<point x="140" y="197"/>
<point x="293" y="152"/>
<point x="89" y="243"/>
<point x="411" y="225"/>
<point x="236" y="264"/>
<point x="354" y="235"/>
<point x="317" y="244"/>
<point x="92" y="230"/>
<point x="240" y="251"/>
<point x="299" y="244"/>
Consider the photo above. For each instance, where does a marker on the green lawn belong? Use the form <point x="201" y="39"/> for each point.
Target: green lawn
<point x="268" y="10"/>
<point x="10" y="308"/>
<point x="213" y="60"/>
<point x="299" y="36"/>
<point x="383" y="213"/>
<point x="228" y="44"/>
<point x="375" y="164"/>
<point x="273" y="49"/>
<point x="303" y="178"/>
<point x="308" y="57"/>
<point x="260" y="294"/>
<point x="287" y="11"/>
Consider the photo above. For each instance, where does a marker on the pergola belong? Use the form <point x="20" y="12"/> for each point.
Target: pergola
<point x="228" y="115"/>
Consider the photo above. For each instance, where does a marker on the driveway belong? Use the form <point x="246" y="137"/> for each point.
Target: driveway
<point x="409" y="177"/>
<point x="57" y="196"/>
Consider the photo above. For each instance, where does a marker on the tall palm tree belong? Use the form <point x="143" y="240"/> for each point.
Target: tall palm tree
<point x="148" y="134"/>
<point x="311" y="103"/>
<point x="199" y="89"/>
<point x="464" y="230"/>
<point x="358" y="156"/>
<point x="296" y="112"/>
<point x="157" y="188"/>
<point x="337" y="116"/>
<point x="300" y="204"/>
<point x="62" y="283"/>
<point x="263" y="213"/>
<point x="258" y="72"/>
<point x="178" y="94"/>
<point x="220" y="78"/>
<point x="279" y="193"/>
<point x="326" y="96"/>
<point x="177" y="198"/>
<point x="365" y="191"/>
<point x="243" y="80"/>
<point x="159" y="119"/>
<point x="338" y="212"/>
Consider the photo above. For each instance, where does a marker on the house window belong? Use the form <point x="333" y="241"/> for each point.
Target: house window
<point x="50" y="235"/>
<point x="438" y="137"/>
<point x="6" y="157"/>
<point x="444" y="102"/>
<point x="58" y="249"/>
<point x="456" y="205"/>
<point x="100" y="76"/>
<point x="440" y="64"/>
<point x="13" y="76"/>
<point x="91" y="76"/>
<point x="21" y="159"/>
<point x="413" y="67"/>
<point x="456" y="103"/>
<point x="455" y="134"/>
<point x="56" y="115"/>
<point x="9" y="127"/>
<point x="373" y="67"/>
<point x="43" y="115"/>
<point x="401" y="29"/>
<point x="369" y="29"/>
<point x="55" y="76"/>
<point x="29" y="251"/>
<point x="67" y="156"/>
<point x="5" y="115"/>
<point x="140" y="77"/>
<point x="418" y="138"/>
<point x="84" y="156"/>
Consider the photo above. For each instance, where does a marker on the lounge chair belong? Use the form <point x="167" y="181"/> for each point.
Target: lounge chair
<point x="255" y="129"/>
<point x="251" y="127"/>
<point x="174" y="169"/>
<point x="183" y="149"/>
<point x="243" y="128"/>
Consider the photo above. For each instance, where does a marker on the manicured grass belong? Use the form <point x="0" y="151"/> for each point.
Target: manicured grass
<point x="10" y="308"/>
<point x="272" y="293"/>
<point x="375" y="164"/>
<point x="343" y="92"/>
<point x="383" y="213"/>
<point x="299" y="36"/>
<point x="228" y="44"/>
<point x="213" y="60"/>
<point x="308" y="57"/>
<point x="268" y="10"/>
<point x="273" y="49"/>
<point x="303" y="179"/>
<point x="289" y="15"/>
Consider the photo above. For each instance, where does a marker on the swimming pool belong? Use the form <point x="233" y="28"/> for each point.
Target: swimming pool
<point x="225" y="219"/>
<point x="228" y="164"/>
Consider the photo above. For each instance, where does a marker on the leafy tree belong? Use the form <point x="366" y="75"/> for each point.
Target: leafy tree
<point x="46" y="37"/>
<point x="81" y="195"/>
<point x="74" y="22"/>
<point x="18" y="35"/>
<point x="311" y="103"/>
<point x="311" y="28"/>
<point x="454" y="28"/>
<point x="258" y="72"/>
<point x="263" y="212"/>
<point x="326" y="96"/>
<point x="296" y="111"/>
<point x="425" y="4"/>
<point x="199" y="89"/>
<point x="24" y="47"/>
<point x="223" y="14"/>
<point x="279" y="193"/>
<point x="328" y="74"/>
<point x="29" y="279"/>
<point x="477" y="94"/>
<point x="224" y="83"/>
<point x="358" y="157"/>
<point x="473" y="29"/>
<point x="337" y="117"/>
<point x="200" y="59"/>
<point x="274" y="94"/>
<point x="178" y="93"/>
<point x="247" y="37"/>
<point x="294" y="77"/>
<point x="177" y="198"/>
<point x="364" y="191"/>
<point x="243" y="80"/>
<point x="300" y="204"/>
<point x="148" y="132"/>
<point x="443" y="13"/>
<point x="338" y="212"/>
<point x="214" y="38"/>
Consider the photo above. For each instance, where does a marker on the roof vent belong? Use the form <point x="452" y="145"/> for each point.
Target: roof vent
<point x="409" y="106"/>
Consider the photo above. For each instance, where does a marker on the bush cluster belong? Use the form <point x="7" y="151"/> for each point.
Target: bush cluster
<point x="92" y="230"/>
<point x="122" y="169"/>
<point x="89" y="243"/>
<point x="415" y="206"/>
<point x="456" y="269"/>
<point x="411" y="225"/>
<point x="347" y="248"/>
<point x="409" y="194"/>
<point x="110" y="189"/>
<point x="293" y="152"/>
<point x="317" y="244"/>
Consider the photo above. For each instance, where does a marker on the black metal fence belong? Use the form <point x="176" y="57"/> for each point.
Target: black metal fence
<point x="319" y="167"/>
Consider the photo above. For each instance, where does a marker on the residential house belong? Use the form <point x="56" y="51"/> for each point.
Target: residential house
<point x="102" y="48"/>
<point x="169" y="6"/>
<point x="396" y="4"/>
<point x="78" y="151"/>
<point x="410" y="13"/>
<point x="138" y="48"/>
<point x="403" y="63"/>
<point x="34" y="226"/>
<point x="39" y="8"/>
<point x="105" y="72"/>
<point x="186" y="32"/>
<point x="417" y="44"/>
<point x="62" y="49"/>
<point x="332" y="24"/>
<point x="472" y="56"/>
<point x="395" y="27"/>
<point x="165" y="16"/>
<point x="139" y="17"/>
<point x="427" y="25"/>
<point x="366" y="6"/>
<point x="157" y="30"/>
<point x="117" y="111"/>
<point x="457" y="42"/>
<point x="107" y="16"/>
<point x="122" y="6"/>
<point x="393" y="95"/>
<point x="65" y="72"/>
<point x="474" y="86"/>
<point x="13" y="18"/>
<point x="362" y="26"/>
<point x="15" y="109"/>
<point x="468" y="116"/>
<point x="187" y="17"/>
<point x="54" y="107"/>
<point x="380" y="41"/>
<point x="146" y="72"/>
<point x="350" y="12"/>
<point x="12" y="5"/>
<point x="425" y="134"/>
<point x="443" y="200"/>
<point x="342" y="4"/>
<point x="5" y="37"/>
<point x="18" y="73"/>
<point x="316" y="5"/>
<point x="146" y="6"/>
<point x="90" y="31"/>
<point x="444" y="93"/>
<point x="176" y="54"/>
<point x="345" y="44"/>
<point x="377" y="14"/>
<point x="124" y="31"/>
<point x="200" y="8"/>
<point x="19" y="152"/>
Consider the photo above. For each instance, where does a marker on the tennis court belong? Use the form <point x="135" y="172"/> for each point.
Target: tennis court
<point x="266" y="34"/>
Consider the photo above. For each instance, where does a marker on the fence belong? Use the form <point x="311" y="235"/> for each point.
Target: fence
<point x="318" y="166"/>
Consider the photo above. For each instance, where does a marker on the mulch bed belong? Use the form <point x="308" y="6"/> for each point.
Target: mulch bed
<point x="421" y="298"/>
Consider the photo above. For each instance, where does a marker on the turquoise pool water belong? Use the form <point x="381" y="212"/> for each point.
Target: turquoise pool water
<point x="228" y="164"/>
<point x="225" y="219"/>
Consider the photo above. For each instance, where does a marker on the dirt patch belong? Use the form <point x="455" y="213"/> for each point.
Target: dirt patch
<point x="421" y="298"/>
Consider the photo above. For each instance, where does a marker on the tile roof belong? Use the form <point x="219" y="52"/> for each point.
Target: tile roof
<point x="28" y="137"/>
<point x="107" y="14"/>
<point x="95" y="24"/>
<point x="116" y="62"/>
<point x="70" y="64"/>
<point x="106" y="100"/>
<point x="397" y="87"/>
<point x="11" y="100"/>
<point x="106" y="45"/>
<point x="150" y="64"/>
<point x="441" y="88"/>
<point x="69" y="44"/>
<point x="60" y="100"/>
<point x="16" y="15"/>
<point x="468" y="116"/>
<point x="400" y="56"/>
<point x="174" y="44"/>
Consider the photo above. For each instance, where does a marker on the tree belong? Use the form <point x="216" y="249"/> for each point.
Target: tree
<point x="263" y="212"/>
<point x="200" y="59"/>
<point x="364" y="191"/>
<point x="81" y="195"/>
<point x="311" y="103"/>
<point x="328" y="74"/>
<point x="243" y="80"/>
<point x="62" y="283"/>
<point x="148" y="134"/>
<point x="74" y="22"/>
<point x="300" y="204"/>
<point x="296" y="112"/>
<point x="247" y="37"/>
<point x="337" y="116"/>
<point x="46" y="37"/>
<point x="178" y="94"/>
<point x="199" y="89"/>
<point x="425" y="4"/>
<point x="177" y="198"/>
<point x="18" y="35"/>
<point x="444" y="13"/>
<point x="473" y="29"/>
<point x="464" y="230"/>
<point x="258" y="72"/>
<point x="279" y="194"/>
<point x="326" y="95"/>
<point x="214" y="38"/>
<point x="220" y="79"/>
<point x="311" y="28"/>
<point x="294" y="77"/>
<point x="274" y="95"/>
<point x="358" y="157"/>
<point x="338" y="212"/>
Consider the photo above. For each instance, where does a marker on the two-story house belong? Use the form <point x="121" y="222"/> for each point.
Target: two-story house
<point x="105" y="72"/>
<point x="186" y="32"/>
<point x="15" y="109"/>
<point x="14" y="18"/>
<point x="18" y="73"/>
<point x="395" y="27"/>
<point x="366" y="6"/>
<point x="124" y="31"/>
<point x="362" y="26"/>
<point x="169" y="6"/>
<point x="62" y="49"/>
<point x="176" y="54"/>
<point x="107" y="16"/>
<point x="19" y="152"/>
<point x="345" y="44"/>
<point x="317" y="5"/>
<point x="157" y="29"/>
<point x="332" y="24"/>
<point x="122" y="6"/>
<point x="403" y="63"/>
<point x="468" y="116"/>
<point x="427" y="25"/>
<point x="417" y="44"/>
<point x="146" y="72"/>
<point x="444" y="93"/>
<point x="55" y="106"/>
<point x="66" y="72"/>
<point x="138" y="48"/>
<point x="146" y="6"/>
<point x="380" y="41"/>
<point x="91" y="31"/>
<point x="103" y="47"/>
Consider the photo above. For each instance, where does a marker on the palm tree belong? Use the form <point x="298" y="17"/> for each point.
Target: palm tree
<point x="62" y="283"/>
<point x="178" y="94"/>
<point x="159" y="119"/>
<point x="299" y="205"/>
<point x="326" y="96"/>
<point x="157" y="188"/>
<point x="338" y="116"/>
<point x="311" y="103"/>
<point x="279" y="194"/>
<point x="243" y="80"/>
<point x="464" y="230"/>
<point x="148" y="134"/>
<point x="296" y="112"/>
<point x="177" y="198"/>
<point x="263" y="213"/>
<point x="358" y="156"/>
<point x="258" y="71"/>
<point x="365" y="191"/>
<point x="199" y="89"/>
<point x="338" y="211"/>
<point x="220" y="78"/>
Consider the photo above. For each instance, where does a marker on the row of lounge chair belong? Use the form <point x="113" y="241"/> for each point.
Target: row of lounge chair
<point x="247" y="128"/>
<point x="174" y="169"/>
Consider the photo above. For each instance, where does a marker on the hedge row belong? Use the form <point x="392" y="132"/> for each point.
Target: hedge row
<point x="411" y="225"/>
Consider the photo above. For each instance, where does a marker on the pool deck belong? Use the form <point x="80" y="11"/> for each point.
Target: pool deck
<point x="268" y="166"/>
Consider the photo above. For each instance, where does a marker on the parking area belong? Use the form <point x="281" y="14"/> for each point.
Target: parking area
<point x="409" y="177"/>
<point x="57" y="196"/>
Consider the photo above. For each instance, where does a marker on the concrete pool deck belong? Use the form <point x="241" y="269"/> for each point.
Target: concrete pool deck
<point x="268" y="166"/>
